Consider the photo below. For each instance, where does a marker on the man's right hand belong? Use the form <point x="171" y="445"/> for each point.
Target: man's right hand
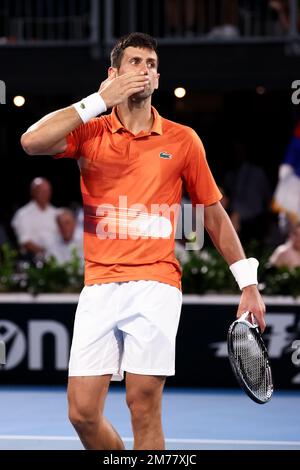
<point x="116" y="89"/>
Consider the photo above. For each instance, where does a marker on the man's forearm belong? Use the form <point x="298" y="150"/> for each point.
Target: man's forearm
<point x="51" y="130"/>
<point x="223" y="234"/>
<point x="32" y="247"/>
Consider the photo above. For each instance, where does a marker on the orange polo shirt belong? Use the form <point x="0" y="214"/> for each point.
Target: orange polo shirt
<point x="129" y="183"/>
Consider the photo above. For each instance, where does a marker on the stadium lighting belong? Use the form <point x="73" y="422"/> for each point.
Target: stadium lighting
<point x="19" y="101"/>
<point x="180" y="92"/>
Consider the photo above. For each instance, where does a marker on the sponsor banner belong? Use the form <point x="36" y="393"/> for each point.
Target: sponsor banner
<point x="37" y="338"/>
<point x="37" y="342"/>
<point x="201" y="354"/>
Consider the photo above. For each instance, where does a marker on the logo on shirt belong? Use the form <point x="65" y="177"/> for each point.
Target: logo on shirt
<point x="165" y="155"/>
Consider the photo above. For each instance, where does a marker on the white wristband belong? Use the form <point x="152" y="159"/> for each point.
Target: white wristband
<point x="245" y="272"/>
<point x="90" y="107"/>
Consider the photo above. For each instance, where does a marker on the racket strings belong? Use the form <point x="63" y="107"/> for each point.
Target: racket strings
<point x="251" y="358"/>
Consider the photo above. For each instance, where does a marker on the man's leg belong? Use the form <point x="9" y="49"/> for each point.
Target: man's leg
<point x="144" y="396"/>
<point x="86" y="396"/>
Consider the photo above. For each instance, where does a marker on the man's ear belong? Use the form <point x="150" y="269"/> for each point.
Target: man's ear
<point x="157" y="81"/>
<point x="112" y="72"/>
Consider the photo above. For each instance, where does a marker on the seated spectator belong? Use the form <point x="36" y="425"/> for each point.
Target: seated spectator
<point x="68" y="239"/>
<point x="288" y="254"/>
<point x="286" y="199"/>
<point x="35" y="223"/>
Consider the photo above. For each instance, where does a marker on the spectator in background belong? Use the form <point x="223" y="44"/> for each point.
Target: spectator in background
<point x="282" y="8"/>
<point x="35" y="223"/>
<point x="198" y="17"/>
<point x="286" y="200"/>
<point x="288" y="254"/>
<point x="67" y="240"/>
<point x="249" y="193"/>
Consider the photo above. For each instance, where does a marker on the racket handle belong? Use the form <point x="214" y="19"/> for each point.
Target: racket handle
<point x="251" y="323"/>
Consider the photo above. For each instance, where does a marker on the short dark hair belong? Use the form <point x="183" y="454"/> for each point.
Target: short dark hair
<point x="141" y="40"/>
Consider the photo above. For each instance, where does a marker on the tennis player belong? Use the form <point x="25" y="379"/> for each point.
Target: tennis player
<point x="129" y="309"/>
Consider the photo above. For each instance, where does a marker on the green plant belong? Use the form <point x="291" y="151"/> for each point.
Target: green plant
<point x="8" y="258"/>
<point x="41" y="276"/>
<point x="204" y="272"/>
<point x="207" y="272"/>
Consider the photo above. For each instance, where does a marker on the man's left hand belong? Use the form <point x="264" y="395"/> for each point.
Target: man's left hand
<point x="252" y="301"/>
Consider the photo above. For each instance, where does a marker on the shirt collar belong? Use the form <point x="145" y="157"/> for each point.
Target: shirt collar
<point x="116" y="124"/>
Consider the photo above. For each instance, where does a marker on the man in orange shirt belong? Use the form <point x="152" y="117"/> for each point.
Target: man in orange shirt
<point x="132" y="164"/>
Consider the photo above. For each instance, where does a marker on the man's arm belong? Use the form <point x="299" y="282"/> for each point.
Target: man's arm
<point x="225" y="239"/>
<point x="48" y="136"/>
<point x="32" y="248"/>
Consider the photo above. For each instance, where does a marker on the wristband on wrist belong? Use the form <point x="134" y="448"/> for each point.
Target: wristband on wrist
<point x="90" y="107"/>
<point x="245" y="272"/>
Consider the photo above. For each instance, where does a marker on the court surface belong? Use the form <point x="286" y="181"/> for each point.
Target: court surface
<point x="36" y="418"/>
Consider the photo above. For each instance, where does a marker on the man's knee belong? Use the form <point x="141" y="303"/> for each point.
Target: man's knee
<point x="144" y="405"/>
<point x="82" y="416"/>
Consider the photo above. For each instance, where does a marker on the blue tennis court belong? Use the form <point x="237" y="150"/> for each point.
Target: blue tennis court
<point x="36" y="418"/>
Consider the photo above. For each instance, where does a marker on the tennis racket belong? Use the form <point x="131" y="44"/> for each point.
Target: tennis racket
<point x="249" y="360"/>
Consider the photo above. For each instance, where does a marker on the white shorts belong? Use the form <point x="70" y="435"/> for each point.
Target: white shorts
<point x="126" y="326"/>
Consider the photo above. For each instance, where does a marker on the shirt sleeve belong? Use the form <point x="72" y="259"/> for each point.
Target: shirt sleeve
<point x="78" y="139"/>
<point x="197" y="176"/>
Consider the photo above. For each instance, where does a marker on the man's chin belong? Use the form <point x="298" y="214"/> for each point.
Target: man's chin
<point x="140" y="96"/>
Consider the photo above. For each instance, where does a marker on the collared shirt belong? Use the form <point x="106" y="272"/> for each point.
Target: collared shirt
<point x="64" y="251"/>
<point x="33" y="224"/>
<point x="131" y="187"/>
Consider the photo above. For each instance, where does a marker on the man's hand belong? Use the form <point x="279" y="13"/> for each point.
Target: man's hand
<point x="252" y="301"/>
<point x="116" y="89"/>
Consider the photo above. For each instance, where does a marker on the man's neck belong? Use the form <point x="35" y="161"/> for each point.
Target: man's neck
<point x="42" y="207"/>
<point x="136" y="117"/>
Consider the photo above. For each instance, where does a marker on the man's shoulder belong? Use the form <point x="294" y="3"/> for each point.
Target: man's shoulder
<point x="281" y="252"/>
<point x="183" y="133"/>
<point x="97" y="125"/>
<point x="101" y="121"/>
<point x="177" y="127"/>
<point x="26" y="209"/>
<point x="53" y="210"/>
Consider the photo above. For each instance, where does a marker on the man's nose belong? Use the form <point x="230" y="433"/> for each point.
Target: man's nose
<point x="144" y="68"/>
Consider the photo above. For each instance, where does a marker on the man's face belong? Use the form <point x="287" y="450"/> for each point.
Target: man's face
<point x="136" y="59"/>
<point x="41" y="192"/>
<point x="66" y="224"/>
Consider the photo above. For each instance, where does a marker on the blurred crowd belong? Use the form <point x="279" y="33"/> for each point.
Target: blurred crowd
<point x="43" y="231"/>
<point x="217" y="19"/>
<point x="229" y="19"/>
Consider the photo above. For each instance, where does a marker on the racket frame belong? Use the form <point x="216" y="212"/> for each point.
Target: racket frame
<point x="254" y="326"/>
